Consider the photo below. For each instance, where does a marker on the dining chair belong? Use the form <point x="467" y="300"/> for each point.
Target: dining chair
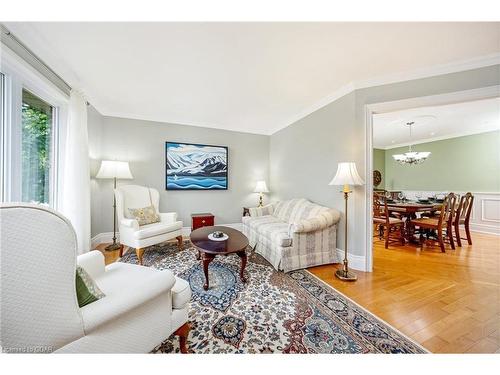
<point x="384" y="222"/>
<point x="442" y="223"/>
<point x="462" y="217"/>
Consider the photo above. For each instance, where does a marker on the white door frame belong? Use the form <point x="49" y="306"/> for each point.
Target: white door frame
<point x="397" y="105"/>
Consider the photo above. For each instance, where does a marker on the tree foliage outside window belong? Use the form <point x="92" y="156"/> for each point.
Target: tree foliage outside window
<point x="36" y="140"/>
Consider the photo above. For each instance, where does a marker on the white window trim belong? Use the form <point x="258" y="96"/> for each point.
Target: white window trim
<point x="18" y="76"/>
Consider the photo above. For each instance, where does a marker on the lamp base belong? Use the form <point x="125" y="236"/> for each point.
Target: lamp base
<point x="346" y="275"/>
<point x="113" y="247"/>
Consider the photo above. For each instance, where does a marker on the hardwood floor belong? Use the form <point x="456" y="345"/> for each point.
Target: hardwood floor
<point x="448" y="302"/>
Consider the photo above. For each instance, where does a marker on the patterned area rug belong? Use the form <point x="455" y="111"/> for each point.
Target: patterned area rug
<point x="272" y="313"/>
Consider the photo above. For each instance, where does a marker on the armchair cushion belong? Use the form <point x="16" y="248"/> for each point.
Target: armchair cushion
<point x="156" y="229"/>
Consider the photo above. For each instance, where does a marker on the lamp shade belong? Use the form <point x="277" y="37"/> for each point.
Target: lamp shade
<point x="114" y="169"/>
<point x="347" y="174"/>
<point x="261" y="187"/>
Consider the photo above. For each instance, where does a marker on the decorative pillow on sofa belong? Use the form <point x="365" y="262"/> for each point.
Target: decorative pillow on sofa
<point x="261" y="211"/>
<point x="146" y="215"/>
<point x="87" y="290"/>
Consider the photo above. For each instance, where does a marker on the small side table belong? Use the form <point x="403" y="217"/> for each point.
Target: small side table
<point x="202" y="220"/>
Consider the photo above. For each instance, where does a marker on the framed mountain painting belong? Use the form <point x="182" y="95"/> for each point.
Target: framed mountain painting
<point x="192" y="166"/>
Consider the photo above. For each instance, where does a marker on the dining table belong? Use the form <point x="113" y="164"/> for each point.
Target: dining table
<point x="408" y="209"/>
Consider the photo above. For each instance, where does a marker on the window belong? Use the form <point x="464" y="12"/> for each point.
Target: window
<point x="36" y="144"/>
<point x="30" y="109"/>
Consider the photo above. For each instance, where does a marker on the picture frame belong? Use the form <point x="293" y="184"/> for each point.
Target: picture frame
<point x="195" y="166"/>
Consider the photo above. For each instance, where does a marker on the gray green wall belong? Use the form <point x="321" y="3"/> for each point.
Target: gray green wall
<point x="470" y="163"/>
<point x="298" y="160"/>
<point x="142" y="143"/>
<point x="379" y="165"/>
<point x="304" y="155"/>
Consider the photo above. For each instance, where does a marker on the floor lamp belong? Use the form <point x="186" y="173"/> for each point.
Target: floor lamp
<point x="346" y="175"/>
<point x="115" y="170"/>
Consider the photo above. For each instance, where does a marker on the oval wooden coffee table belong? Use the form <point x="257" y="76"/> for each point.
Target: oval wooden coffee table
<point x="208" y="249"/>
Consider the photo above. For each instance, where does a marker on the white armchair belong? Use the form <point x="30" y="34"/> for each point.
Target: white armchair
<point x="139" y="237"/>
<point x="39" y="309"/>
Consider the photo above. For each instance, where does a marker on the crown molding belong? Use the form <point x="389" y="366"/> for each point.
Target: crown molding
<point x="437" y="70"/>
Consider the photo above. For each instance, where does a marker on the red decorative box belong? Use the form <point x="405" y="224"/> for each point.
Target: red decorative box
<point x="201" y="220"/>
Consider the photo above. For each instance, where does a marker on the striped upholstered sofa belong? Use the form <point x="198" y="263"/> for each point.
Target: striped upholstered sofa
<point x="293" y="234"/>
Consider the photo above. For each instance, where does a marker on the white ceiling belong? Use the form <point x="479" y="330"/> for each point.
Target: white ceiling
<point x="251" y="77"/>
<point x="435" y="123"/>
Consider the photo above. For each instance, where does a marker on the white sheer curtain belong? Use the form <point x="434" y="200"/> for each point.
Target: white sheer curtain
<point x="75" y="197"/>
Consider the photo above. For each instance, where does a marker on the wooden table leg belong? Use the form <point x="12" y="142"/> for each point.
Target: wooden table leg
<point x="206" y="259"/>
<point x="183" y="332"/>
<point x="243" y="255"/>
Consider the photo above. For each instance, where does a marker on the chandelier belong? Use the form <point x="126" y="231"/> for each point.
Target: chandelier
<point x="411" y="157"/>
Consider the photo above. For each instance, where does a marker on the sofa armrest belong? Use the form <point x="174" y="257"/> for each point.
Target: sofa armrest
<point x="168" y="217"/>
<point x="130" y="223"/>
<point x="111" y="307"/>
<point x="323" y="220"/>
<point x="261" y="211"/>
<point x="92" y="262"/>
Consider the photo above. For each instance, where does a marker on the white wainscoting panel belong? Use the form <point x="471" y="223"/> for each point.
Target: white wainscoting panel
<point x="485" y="216"/>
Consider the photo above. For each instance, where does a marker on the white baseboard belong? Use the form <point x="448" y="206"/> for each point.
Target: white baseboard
<point x="356" y="262"/>
<point x="107" y="237"/>
<point x="484" y="228"/>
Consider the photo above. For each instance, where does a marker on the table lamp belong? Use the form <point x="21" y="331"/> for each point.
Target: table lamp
<point x="115" y="170"/>
<point x="346" y="175"/>
<point x="261" y="188"/>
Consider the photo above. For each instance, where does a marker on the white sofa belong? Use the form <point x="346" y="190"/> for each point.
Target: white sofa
<point x="140" y="237"/>
<point x="293" y="234"/>
<point x="39" y="309"/>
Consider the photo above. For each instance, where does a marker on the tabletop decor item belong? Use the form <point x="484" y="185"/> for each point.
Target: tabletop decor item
<point x="261" y="188"/>
<point x="192" y="166"/>
<point x="346" y="175"/>
<point x="218" y="236"/>
<point x="115" y="170"/>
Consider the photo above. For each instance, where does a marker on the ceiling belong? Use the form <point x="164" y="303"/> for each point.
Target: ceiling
<point x="250" y="77"/>
<point x="435" y="123"/>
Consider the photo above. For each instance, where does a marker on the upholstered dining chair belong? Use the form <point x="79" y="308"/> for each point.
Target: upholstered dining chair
<point x="40" y="312"/>
<point x="141" y="236"/>
<point x="386" y="224"/>
<point x="462" y="217"/>
<point x="443" y="223"/>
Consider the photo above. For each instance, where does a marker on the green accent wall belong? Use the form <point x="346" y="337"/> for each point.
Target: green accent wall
<point x="379" y="164"/>
<point x="468" y="163"/>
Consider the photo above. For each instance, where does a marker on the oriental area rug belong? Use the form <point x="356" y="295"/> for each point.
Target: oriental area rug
<point x="273" y="312"/>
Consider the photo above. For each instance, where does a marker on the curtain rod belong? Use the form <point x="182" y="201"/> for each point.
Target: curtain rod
<point x="31" y="58"/>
